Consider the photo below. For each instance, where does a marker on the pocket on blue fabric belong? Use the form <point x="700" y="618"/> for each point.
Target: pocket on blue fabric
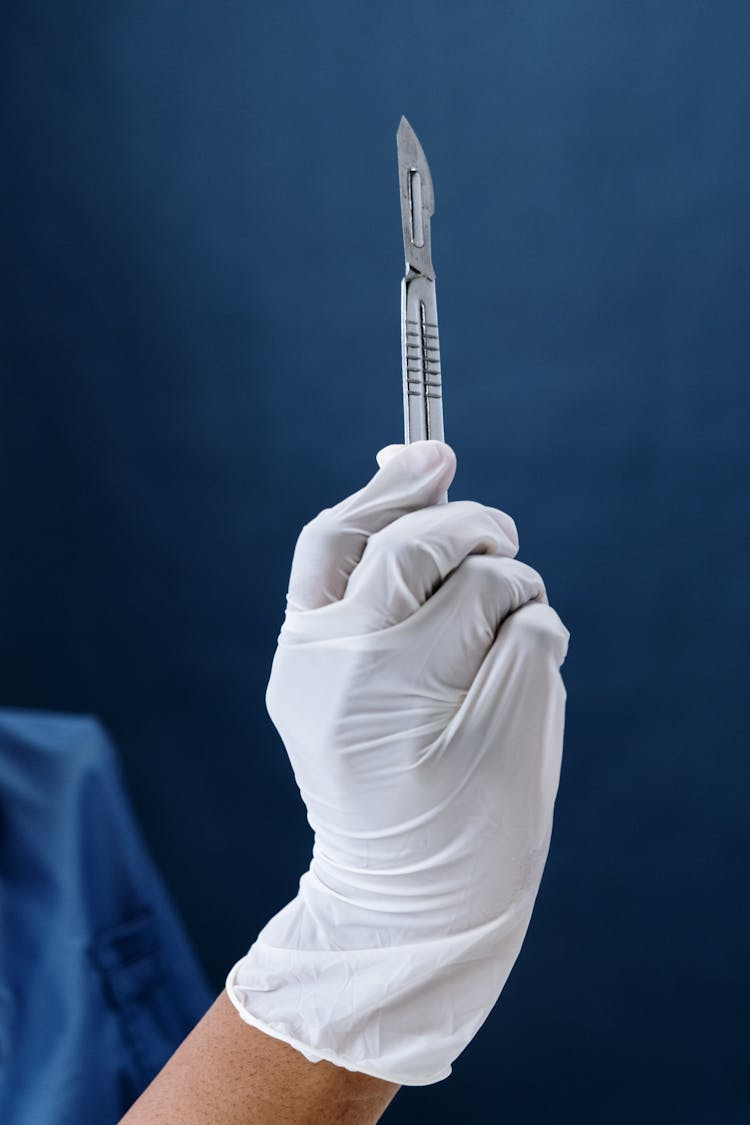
<point x="129" y="958"/>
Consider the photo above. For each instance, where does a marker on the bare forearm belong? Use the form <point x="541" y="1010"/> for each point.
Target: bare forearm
<point x="229" y="1073"/>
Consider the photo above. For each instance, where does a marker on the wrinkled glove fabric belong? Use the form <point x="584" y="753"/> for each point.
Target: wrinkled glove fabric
<point x="416" y="687"/>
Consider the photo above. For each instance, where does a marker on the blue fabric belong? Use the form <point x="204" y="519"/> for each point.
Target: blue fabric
<point x="98" y="982"/>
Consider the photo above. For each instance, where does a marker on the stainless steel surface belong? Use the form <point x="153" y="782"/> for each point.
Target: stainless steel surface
<point x="420" y="343"/>
<point x="412" y="159"/>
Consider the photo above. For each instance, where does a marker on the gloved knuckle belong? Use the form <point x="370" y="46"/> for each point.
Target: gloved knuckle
<point x="531" y="576"/>
<point x="479" y="571"/>
<point x="540" y="627"/>
<point x="512" y="527"/>
<point x="471" y="508"/>
<point x="484" y="516"/>
<point x="388" y="540"/>
<point x="479" y="565"/>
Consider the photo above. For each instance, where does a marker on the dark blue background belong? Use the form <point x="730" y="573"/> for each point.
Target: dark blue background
<point x="201" y="350"/>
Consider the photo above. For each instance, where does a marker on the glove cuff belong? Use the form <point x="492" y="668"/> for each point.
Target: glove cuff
<point x="401" y="1011"/>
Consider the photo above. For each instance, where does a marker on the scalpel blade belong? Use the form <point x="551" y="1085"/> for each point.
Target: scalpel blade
<point x="417" y="200"/>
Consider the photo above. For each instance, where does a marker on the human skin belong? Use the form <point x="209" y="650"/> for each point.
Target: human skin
<point x="228" y="1072"/>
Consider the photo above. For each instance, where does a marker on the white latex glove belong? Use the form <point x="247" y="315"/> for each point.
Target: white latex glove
<point x="416" y="688"/>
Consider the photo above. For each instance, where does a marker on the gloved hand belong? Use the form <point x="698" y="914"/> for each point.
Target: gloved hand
<point x="416" y="688"/>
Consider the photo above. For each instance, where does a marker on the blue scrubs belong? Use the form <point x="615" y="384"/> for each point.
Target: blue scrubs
<point x="98" y="982"/>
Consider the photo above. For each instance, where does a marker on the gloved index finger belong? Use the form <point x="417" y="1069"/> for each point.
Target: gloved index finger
<point x="330" y="546"/>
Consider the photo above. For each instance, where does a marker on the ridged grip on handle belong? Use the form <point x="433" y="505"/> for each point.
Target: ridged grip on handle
<point x="420" y="363"/>
<point x="420" y="355"/>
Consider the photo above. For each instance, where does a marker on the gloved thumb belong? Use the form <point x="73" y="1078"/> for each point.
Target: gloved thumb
<point x="330" y="546"/>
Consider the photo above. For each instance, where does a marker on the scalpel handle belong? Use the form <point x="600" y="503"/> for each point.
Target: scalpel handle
<point x="420" y="362"/>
